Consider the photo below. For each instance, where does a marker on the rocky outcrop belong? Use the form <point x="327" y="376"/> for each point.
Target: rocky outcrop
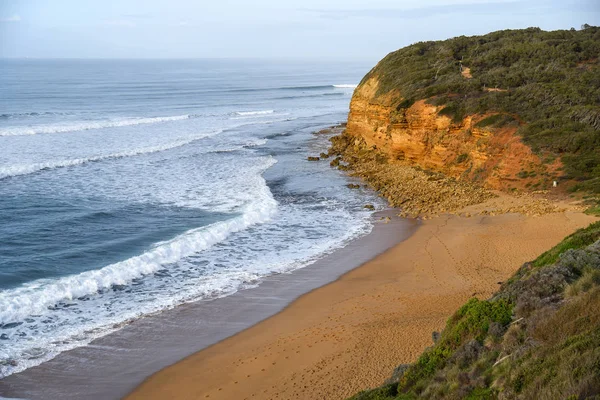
<point x="415" y="191"/>
<point x="416" y="134"/>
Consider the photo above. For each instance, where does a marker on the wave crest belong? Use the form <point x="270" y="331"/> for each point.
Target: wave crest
<point x="84" y="126"/>
<point x="249" y="113"/>
<point x="26" y="169"/>
<point x="35" y="297"/>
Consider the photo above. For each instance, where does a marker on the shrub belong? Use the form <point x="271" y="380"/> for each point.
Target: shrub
<point x="496" y="121"/>
<point x="482" y="394"/>
<point x="381" y="393"/>
<point x="473" y="319"/>
<point x="462" y="158"/>
<point x="469" y="325"/>
<point x="581" y="238"/>
<point x="406" y="103"/>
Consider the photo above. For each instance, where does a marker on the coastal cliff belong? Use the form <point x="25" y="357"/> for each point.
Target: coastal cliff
<point x="420" y="135"/>
<point x="510" y="110"/>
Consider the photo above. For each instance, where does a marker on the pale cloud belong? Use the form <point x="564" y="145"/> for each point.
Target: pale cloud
<point x="425" y="11"/>
<point x="138" y="15"/>
<point x="12" y="18"/>
<point x="120" y="22"/>
<point x="447" y="7"/>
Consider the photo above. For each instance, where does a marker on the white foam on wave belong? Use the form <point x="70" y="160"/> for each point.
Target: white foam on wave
<point x="252" y="120"/>
<point x="25" y="169"/>
<point x="345" y="86"/>
<point x="249" y="144"/>
<point x="97" y="316"/>
<point x="35" y="297"/>
<point x="86" y="125"/>
<point x="250" y="113"/>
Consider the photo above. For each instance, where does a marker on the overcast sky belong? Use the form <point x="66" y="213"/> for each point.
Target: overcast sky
<point x="348" y="29"/>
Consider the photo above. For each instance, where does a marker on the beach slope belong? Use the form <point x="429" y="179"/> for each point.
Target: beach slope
<point x="350" y="334"/>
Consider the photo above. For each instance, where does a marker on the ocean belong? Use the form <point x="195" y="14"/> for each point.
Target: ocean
<point x="128" y="187"/>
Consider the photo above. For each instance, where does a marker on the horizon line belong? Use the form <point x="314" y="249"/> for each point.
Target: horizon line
<point x="313" y="58"/>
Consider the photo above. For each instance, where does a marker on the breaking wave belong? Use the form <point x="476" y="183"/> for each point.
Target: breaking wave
<point x="25" y="169"/>
<point x="248" y="113"/>
<point x="35" y="297"/>
<point x="84" y="126"/>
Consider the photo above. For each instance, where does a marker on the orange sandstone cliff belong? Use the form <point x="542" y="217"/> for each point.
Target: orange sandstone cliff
<point x="418" y="135"/>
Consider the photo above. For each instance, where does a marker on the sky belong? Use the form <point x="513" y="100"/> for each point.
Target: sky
<point x="307" y="29"/>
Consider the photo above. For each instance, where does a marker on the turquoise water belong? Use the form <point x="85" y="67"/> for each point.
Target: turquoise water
<point x="129" y="187"/>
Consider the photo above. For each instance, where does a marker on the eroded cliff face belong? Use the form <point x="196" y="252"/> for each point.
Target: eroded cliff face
<point x="418" y="135"/>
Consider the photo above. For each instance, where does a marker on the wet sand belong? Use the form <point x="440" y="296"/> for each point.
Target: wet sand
<point x="112" y="366"/>
<point x="349" y="335"/>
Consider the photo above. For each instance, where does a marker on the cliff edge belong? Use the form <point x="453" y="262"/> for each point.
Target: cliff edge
<point x="515" y="109"/>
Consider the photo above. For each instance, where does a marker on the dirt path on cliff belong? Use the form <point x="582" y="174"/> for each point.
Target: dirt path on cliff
<point x="466" y="72"/>
<point x="350" y="335"/>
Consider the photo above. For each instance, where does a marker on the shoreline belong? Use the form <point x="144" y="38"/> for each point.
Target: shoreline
<point x="100" y="370"/>
<point x="350" y="334"/>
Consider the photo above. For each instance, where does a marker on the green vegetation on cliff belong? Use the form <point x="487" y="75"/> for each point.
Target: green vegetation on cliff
<point x="547" y="83"/>
<point x="537" y="338"/>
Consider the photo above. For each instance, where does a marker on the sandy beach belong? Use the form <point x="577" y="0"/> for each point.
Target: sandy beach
<point x="350" y="335"/>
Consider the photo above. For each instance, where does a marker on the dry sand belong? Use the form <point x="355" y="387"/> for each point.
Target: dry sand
<point x="350" y="335"/>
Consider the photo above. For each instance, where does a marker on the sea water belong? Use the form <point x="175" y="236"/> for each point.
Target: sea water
<point x="130" y="187"/>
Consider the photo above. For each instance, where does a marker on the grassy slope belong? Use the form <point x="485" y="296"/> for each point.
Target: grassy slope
<point x="549" y="80"/>
<point x="537" y="338"/>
